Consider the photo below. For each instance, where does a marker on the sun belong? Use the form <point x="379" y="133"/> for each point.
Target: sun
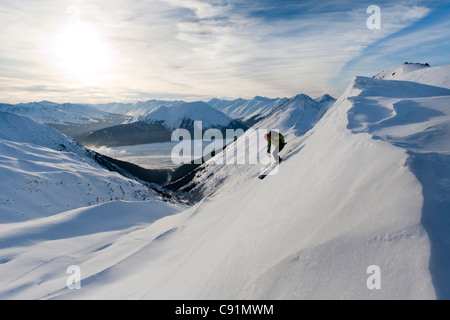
<point x="81" y="52"/>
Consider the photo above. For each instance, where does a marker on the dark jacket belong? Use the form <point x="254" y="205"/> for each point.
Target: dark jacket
<point x="276" y="139"/>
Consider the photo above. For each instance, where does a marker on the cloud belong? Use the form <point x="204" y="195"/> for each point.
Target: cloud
<point x="285" y="53"/>
<point x="415" y="13"/>
<point x="202" y="9"/>
<point x="427" y="41"/>
<point x="193" y="48"/>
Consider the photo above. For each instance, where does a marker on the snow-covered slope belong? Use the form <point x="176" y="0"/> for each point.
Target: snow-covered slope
<point x="22" y="129"/>
<point x="434" y="76"/>
<point x="158" y="123"/>
<point x="75" y="120"/>
<point x="367" y="186"/>
<point x="44" y="172"/>
<point x="296" y="115"/>
<point x="97" y="235"/>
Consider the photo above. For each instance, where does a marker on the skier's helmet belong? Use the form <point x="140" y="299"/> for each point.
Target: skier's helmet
<point x="266" y="136"/>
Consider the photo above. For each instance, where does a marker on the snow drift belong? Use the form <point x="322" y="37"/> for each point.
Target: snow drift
<point x="418" y="72"/>
<point x="55" y="113"/>
<point x="247" y="111"/>
<point x="175" y="117"/>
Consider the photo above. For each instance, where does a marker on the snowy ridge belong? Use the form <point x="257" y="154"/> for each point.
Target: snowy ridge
<point x="418" y="72"/>
<point x="434" y="76"/>
<point x="297" y="115"/>
<point x="45" y="173"/>
<point x="326" y="101"/>
<point x="24" y="130"/>
<point x="159" y="122"/>
<point x="174" y="116"/>
<point x="292" y="118"/>
<point x="246" y="110"/>
<point x="174" y="113"/>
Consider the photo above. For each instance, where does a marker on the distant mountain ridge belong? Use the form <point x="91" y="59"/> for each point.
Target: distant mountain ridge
<point x="247" y="111"/>
<point x="120" y="124"/>
<point x="326" y="100"/>
<point x="173" y="116"/>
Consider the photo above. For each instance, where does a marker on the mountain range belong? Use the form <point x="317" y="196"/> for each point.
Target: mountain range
<point x="121" y="124"/>
<point x="158" y="123"/>
<point x="155" y="120"/>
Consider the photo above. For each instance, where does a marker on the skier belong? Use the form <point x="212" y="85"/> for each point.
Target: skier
<point x="278" y="141"/>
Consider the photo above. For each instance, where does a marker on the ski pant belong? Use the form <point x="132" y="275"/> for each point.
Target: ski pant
<point x="277" y="150"/>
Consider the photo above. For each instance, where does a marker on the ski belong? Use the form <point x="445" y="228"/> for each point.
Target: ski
<point x="267" y="171"/>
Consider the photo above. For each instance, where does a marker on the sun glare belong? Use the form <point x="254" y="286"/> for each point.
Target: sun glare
<point x="81" y="52"/>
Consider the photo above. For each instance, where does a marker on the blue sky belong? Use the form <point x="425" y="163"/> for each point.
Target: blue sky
<point x="105" y="50"/>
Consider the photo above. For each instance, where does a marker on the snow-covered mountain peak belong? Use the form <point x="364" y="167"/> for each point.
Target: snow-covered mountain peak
<point x="368" y="183"/>
<point x="294" y="116"/>
<point x="399" y="71"/>
<point x="300" y="98"/>
<point x="325" y="98"/>
<point x="45" y="172"/>
<point x="174" y="116"/>
<point x="247" y="111"/>
<point x="396" y="88"/>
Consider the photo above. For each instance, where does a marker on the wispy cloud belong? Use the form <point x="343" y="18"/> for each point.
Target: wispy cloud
<point x="428" y="41"/>
<point x="193" y="48"/>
